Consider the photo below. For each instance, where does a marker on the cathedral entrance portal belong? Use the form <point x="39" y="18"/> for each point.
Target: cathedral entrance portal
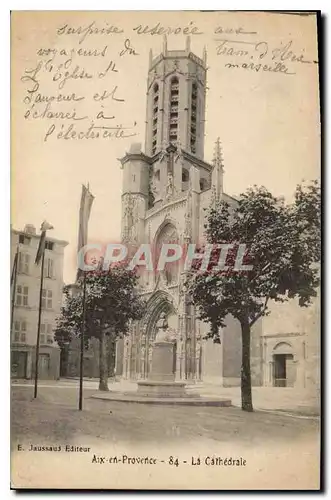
<point x="159" y="305"/>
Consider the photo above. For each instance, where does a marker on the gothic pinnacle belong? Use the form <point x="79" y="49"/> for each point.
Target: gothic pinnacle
<point x="218" y="158"/>
<point x="204" y="55"/>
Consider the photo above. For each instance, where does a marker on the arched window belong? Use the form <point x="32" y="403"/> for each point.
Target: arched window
<point x="185" y="175"/>
<point x="203" y="184"/>
<point x="168" y="234"/>
<point x="173" y="111"/>
<point x="155" y="117"/>
<point x="194" y="106"/>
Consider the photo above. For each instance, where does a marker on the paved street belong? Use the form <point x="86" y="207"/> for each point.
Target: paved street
<point x="54" y="416"/>
<point x="287" y="400"/>
<point x="277" y="448"/>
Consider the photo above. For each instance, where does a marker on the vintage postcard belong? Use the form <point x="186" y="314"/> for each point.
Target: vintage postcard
<point x="165" y="250"/>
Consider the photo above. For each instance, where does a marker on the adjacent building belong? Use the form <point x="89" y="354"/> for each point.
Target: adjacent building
<point x="290" y="345"/>
<point x="26" y="304"/>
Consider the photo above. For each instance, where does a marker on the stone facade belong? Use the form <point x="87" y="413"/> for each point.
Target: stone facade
<point x="25" y="312"/>
<point x="165" y="192"/>
<point x="291" y="346"/>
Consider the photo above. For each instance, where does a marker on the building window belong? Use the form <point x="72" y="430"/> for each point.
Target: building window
<point x="48" y="269"/>
<point x="20" y="329"/>
<point x="173" y="112"/>
<point x="155" y="116"/>
<point x="49" y="245"/>
<point x="42" y="333"/>
<point x="185" y="175"/>
<point x="203" y="184"/>
<point x="22" y="293"/>
<point x="23" y="263"/>
<point x="47" y="299"/>
<point x="194" y="105"/>
<point x="46" y="335"/>
<point x="24" y="240"/>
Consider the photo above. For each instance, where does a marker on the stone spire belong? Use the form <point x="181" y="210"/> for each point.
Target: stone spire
<point x="188" y="215"/>
<point x="165" y="45"/>
<point x="217" y="174"/>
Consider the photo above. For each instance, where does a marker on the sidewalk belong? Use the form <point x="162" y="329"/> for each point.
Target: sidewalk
<point x="283" y="399"/>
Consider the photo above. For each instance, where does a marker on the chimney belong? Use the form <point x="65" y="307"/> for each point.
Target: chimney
<point x="29" y="229"/>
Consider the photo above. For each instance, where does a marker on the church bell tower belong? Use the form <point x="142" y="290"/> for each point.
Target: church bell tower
<point x="174" y="137"/>
<point x="166" y="185"/>
<point x="176" y="91"/>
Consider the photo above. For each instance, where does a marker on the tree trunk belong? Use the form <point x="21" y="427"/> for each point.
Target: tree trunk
<point x="246" y="383"/>
<point x="103" y="365"/>
<point x="111" y="356"/>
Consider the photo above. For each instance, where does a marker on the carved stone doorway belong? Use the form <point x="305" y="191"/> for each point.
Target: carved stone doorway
<point x="160" y="302"/>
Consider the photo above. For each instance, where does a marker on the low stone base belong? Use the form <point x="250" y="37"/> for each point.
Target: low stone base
<point x="160" y="389"/>
<point x="181" y="401"/>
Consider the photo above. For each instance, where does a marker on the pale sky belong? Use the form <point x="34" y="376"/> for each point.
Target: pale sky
<point x="268" y="122"/>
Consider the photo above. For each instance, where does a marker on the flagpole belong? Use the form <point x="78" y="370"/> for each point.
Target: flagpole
<point x="84" y="214"/>
<point x="15" y="266"/>
<point x="82" y="345"/>
<point x="39" y="322"/>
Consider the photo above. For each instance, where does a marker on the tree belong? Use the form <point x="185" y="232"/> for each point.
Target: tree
<point x="111" y="303"/>
<point x="283" y="248"/>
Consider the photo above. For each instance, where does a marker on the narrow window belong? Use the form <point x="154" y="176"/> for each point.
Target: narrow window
<point x="194" y="105"/>
<point x="22" y="293"/>
<point x="49" y="245"/>
<point x="48" y="270"/>
<point x="47" y="299"/>
<point x="42" y="333"/>
<point x="20" y="328"/>
<point x="173" y="112"/>
<point x="155" y="116"/>
<point x="23" y="263"/>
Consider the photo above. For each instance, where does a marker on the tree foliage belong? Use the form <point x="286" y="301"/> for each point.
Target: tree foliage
<point x="111" y="303"/>
<point x="283" y="247"/>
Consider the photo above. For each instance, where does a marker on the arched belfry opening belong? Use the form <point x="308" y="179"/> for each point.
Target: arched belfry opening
<point x="176" y="94"/>
<point x="155" y="116"/>
<point x="173" y="111"/>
